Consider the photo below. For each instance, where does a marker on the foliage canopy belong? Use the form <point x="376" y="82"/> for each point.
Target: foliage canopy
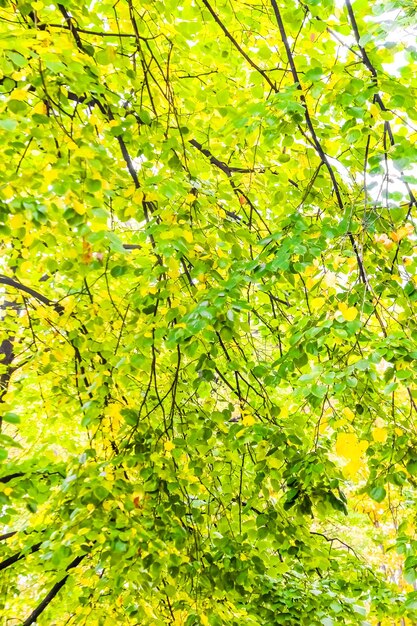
<point x="209" y="344"/>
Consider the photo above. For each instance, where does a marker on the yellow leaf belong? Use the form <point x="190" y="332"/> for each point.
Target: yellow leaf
<point x="59" y="355"/>
<point x="379" y="434"/>
<point x="310" y="282"/>
<point x="137" y="196"/>
<point x="40" y="108"/>
<point x="8" y="192"/>
<point x="78" y="207"/>
<point x="168" y="445"/>
<point x="323" y="426"/>
<point x="25" y="267"/>
<point x="349" y="312"/>
<point x="402" y="232"/>
<point x="113" y="410"/>
<point x="248" y="420"/>
<point x="49" y="175"/>
<point x="317" y="303"/>
<point x="345" y="443"/>
<point x="349" y="447"/>
<point x="374" y="111"/>
<point x="351" y="263"/>
<point x="187" y="235"/>
<point x="16" y="221"/>
<point x="352" y="468"/>
<point x="348" y="413"/>
<point x="19" y="94"/>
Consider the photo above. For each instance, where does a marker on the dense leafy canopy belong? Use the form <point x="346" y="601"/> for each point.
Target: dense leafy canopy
<point x="209" y="346"/>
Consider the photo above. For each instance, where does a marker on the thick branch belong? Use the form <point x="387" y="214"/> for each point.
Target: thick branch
<point x="51" y="594"/>
<point x="213" y="160"/>
<point x="8" y="535"/>
<point x="9" y="477"/>
<point x="5" y="280"/>
<point x="18" y="556"/>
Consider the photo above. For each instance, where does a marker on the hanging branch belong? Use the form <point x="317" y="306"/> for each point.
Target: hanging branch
<point x="315" y="140"/>
<point x="238" y="47"/>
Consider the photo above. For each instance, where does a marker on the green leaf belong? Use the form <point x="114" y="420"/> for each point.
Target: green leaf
<point x="8" y="124"/>
<point x="377" y="493"/>
<point x="11" y="418"/>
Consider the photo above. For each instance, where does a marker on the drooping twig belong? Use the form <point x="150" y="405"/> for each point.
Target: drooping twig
<point x="315" y="140"/>
<point x="238" y="47"/>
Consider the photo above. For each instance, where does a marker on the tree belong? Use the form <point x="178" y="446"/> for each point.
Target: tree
<point x="208" y="333"/>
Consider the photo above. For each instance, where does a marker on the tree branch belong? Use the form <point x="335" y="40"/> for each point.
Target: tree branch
<point x="100" y="33"/>
<point x="8" y="535"/>
<point x="315" y="140"/>
<point x="237" y="46"/>
<point x="18" y="556"/>
<point x="52" y="593"/>
<point x="5" y="280"/>
<point x="9" y="477"/>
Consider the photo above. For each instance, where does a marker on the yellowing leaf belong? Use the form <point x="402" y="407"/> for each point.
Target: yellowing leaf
<point x="317" y="303"/>
<point x="379" y="434"/>
<point x="78" y="207"/>
<point x="16" y="221"/>
<point x="349" y="446"/>
<point x="351" y="469"/>
<point x="168" y="446"/>
<point x="40" y="107"/>
<point x="323" y="426"/>
<point x="248" y="420"/>
<point x="348" y="413"/>
<point x="402" y="232"/>
<point x="345" y="442"/>
<point x="187" y="235"/>
<point x="310" y="282"/>
<point x="349" y="313"/>
<point x="138" y="196"/>
<point x="351" y="263"/>
<point x="113" y="409"/>
<point x="19" y="94"/>
<point x="374" y="111"/>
